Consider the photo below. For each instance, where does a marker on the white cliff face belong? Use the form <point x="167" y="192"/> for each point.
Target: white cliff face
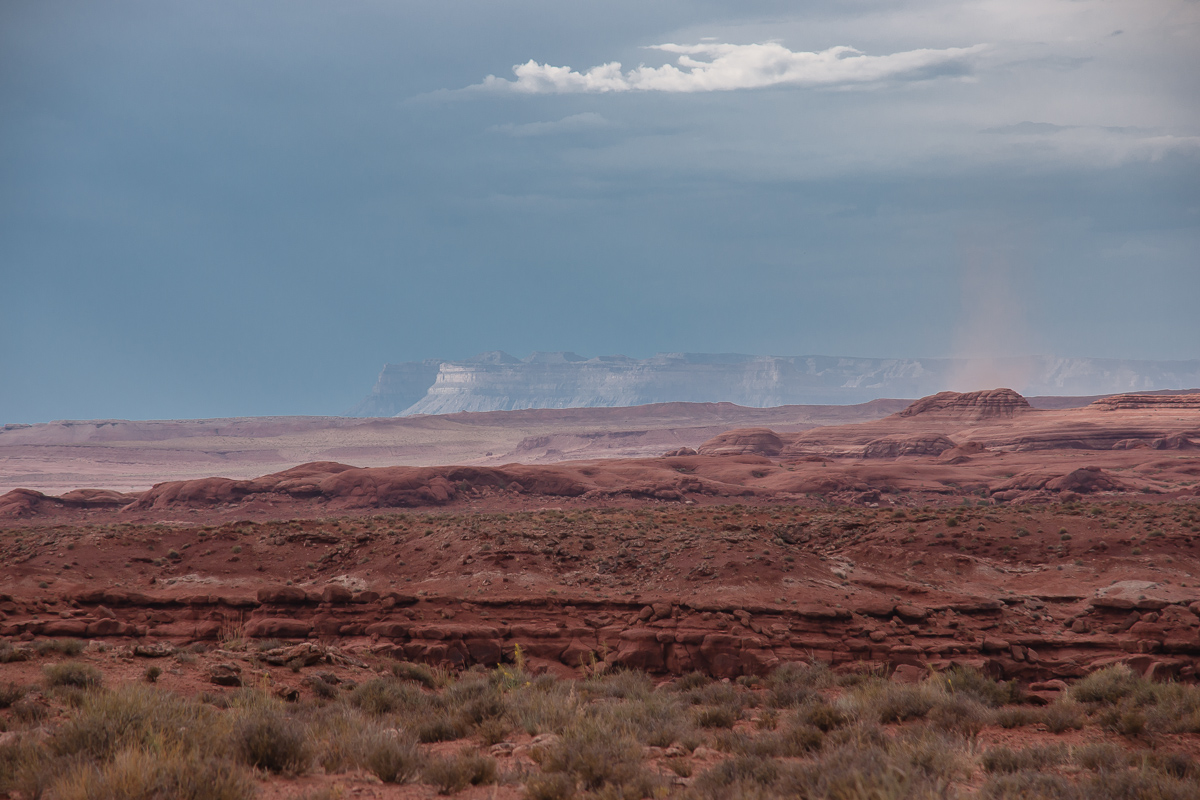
<point x="499" y="382"/>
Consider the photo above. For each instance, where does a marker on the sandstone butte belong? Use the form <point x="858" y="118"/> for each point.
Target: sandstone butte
<point x="966" y="528"/>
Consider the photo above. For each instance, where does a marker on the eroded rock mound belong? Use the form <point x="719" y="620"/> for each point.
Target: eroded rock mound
<point x="1084" y="480"/>
<point x="26" y="502"/>
<point x="743" y="441"/>
<point x="987" y="404"/>
<point x="898" y="446"/>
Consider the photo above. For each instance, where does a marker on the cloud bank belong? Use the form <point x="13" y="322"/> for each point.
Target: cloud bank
<point x="715" y="67"/>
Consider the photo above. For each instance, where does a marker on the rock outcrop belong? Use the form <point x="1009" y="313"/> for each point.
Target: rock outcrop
<point x="743" y="441"/>
<point x="970" y="405"/>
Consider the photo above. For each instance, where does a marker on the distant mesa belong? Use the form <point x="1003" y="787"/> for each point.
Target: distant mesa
<point x="970" y="405"/>
<point x="1166" y="402"/>
<point x="497" y="381"/>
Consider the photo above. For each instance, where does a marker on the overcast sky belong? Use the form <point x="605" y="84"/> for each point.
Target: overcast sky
<point x="226" y="208"/>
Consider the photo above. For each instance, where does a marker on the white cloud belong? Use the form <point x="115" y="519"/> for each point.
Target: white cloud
<point x="741" y="66"/>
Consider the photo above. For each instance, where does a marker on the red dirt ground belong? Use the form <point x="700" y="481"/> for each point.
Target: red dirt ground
<point x="967" y="529"/>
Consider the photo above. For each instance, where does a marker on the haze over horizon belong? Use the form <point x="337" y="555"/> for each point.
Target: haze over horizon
<point x="216" y="210"/>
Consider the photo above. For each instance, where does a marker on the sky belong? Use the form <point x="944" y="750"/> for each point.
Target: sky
<point x="224" y="208"/>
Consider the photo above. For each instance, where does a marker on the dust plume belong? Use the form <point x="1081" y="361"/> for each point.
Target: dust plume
<point x="991" y="336"/>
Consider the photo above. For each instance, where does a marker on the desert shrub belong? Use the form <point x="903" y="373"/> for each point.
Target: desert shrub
<point x="972" y="682"/>
<point x="62" y="647"/>
<point x="1029" y="786"/>
<point x="743" y="776"/>
<point x="892" y="702"/>
<point x="822" y="715"/>
<point x="1100" y="756"/>
<point x="1176" y="709"/>
<point x="10" y="654"/>
<point x="1109" y="685"/>
<point x="717" y="716"/>
<point x="439" y="727"/>
<point x="28" y="710"/>
<point x="11" y="694"/>
<point x="1143" y="784"/>
<point x="1032" y="759"/>
<point x="1125" y="719"/>
<point x="542" y="709"/>
<point x="494" y="731"/>
<point x="554" y="786"/>
<point x="623" y="684"/>
<point x="933" y="754"/>
<point x="339" y="735"/>
<point x="474" y="701"/>
<point x="265" y="737"/>
<point x="23" y="767"/>
<point x="418" y="673"/>
<point x="599" y="755"/>
<point x="791" y="742"/>
<point x="390" y="757"/>
<point x="72" y="673"/>
<point x="960" y="713"/>
<point x="383" y="696"/>
<point x="659" y="720"/>
<point x="870" y="771"/>
<point x="1017" y="717"/>
<point x="1062" y="715"/>
<point x="692" y="680"/>
<point x="1176" y="765"/>
<point x="140" y="774"/>
<point x="793" y="683"/>
<point x="455" y="773"/>
<point x="136" y="717"/>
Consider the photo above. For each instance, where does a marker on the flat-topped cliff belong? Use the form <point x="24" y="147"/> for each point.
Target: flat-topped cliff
<point x="497" y="381"/>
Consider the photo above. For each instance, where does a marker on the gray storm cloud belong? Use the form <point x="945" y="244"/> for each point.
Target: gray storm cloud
<point x="715" y="67"/>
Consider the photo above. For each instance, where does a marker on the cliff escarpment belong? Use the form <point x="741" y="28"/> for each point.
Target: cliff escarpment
<point x="497" y="381"/>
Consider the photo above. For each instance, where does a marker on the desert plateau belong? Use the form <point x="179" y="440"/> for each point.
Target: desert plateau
<point x="600" y="401"/>
<point x="962" y="596"/>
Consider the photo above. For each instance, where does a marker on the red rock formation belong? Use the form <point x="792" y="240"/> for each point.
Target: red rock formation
<point x="1154" y="402"/>
<point x="918" y="445"/>
<point x="971" y="405"/>
<point x="743" y="441"/>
